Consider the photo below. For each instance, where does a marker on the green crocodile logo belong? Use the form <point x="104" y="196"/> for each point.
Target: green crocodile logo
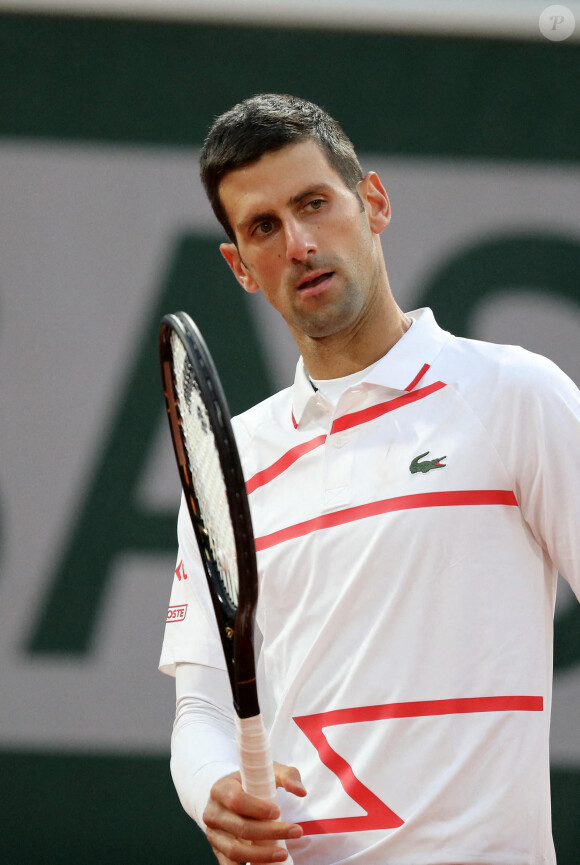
<point x="426" y="465"/>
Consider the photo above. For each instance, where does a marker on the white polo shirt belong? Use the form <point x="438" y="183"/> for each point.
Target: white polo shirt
<point x="408" y="546"/>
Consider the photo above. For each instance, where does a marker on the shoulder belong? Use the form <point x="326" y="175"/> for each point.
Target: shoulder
<point x="268" y="420"/>
<point x="273" y="409"/>
<point x="502" y="372"/>
<point x="527" y="405"/>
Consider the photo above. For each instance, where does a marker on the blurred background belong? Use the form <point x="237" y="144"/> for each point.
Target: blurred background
<point x="471" y="115"/>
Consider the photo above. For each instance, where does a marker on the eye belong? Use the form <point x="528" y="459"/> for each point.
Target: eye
<point x="316" y="203"/>
<point x="264" y="227"/>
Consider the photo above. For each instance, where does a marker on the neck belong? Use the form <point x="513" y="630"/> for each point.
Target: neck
<point x="360" y="346"/>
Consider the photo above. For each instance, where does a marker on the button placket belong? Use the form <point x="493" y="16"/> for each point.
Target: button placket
<point x="338" y="470"/>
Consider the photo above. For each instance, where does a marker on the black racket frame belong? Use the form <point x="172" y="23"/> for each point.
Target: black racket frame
<point x="235" y="625"/>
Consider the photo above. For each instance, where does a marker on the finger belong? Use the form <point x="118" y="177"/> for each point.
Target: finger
<point x="235" y="850"/>
<point x="244" y="828"/>
<point x="221" y="820"/>
<point x="289" y="778"/>
<point x="223" y="860"/>
<point x="229" y="794"/>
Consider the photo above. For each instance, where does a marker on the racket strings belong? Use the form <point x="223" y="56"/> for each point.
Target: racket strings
<point x="205" y="470"/>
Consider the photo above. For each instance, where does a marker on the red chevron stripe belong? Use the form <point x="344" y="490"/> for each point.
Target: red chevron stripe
<point x="452" y="498"/>
<point x="418" y="377"/>
<point x="378" y="815"/>
<point x="356" y="418"/>
<point x="347" y="421"/>
<point x="285" y="461"/>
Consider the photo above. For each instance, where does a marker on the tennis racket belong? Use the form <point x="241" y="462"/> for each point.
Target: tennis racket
<point x="215" y="492"/>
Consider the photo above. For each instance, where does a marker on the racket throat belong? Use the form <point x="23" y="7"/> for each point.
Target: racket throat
<point x="246" y="699"/>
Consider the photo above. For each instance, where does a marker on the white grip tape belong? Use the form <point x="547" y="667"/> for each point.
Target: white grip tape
<point x="256" y="762"/>
<point x="255" y="758"/>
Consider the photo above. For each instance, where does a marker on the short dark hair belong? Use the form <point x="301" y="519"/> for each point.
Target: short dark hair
<point x="267" y="123"/>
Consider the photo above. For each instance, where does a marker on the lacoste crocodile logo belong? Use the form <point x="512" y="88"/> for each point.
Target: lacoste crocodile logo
<point x="426" y="465"/>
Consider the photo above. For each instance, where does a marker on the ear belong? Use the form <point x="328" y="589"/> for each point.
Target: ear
<point x="376" y="201"/>
<point x="232" y="256"/>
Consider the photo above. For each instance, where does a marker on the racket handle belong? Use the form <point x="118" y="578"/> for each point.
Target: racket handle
<point x="256" y="762"/>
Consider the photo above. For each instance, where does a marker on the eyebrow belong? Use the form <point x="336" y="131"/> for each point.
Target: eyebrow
<point x="295" y="199"/>
<point x="315" y="187"/>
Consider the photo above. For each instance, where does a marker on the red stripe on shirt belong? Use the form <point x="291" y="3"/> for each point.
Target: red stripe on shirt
<point x="378" y="815"/>
<point x="356" y="418"/>
<point x="418" y="377"/>
<point x="451" y="498"/>
<point x="347" y="421"/>
<point x="421" y="709"/>
<point x="285" y="461"/>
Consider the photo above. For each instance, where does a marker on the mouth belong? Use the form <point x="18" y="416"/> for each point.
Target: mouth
<point x="316" y="283"/>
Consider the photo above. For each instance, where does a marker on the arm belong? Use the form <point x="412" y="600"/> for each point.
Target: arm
<point x="547" y="456"/>
<point x="204" y="771"/>
<point x="202" y="742"/>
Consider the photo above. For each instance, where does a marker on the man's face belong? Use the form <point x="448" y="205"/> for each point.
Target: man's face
<point x="304" y="239"/>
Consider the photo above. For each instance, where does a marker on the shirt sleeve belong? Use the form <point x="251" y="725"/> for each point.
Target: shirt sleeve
<point x="203" y="741"/>
<point x="191" y="634"/>
<point x="544" y="453"/>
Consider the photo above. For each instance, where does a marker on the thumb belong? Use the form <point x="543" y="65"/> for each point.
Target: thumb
<point x="288" y="777"/>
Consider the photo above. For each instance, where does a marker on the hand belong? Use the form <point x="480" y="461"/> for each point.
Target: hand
<point x="235" y="820"/>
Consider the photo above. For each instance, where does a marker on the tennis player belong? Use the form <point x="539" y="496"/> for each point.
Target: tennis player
<point x="413" y="496"/>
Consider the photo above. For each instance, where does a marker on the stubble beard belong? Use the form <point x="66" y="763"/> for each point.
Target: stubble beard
<point x="327" y="316"/>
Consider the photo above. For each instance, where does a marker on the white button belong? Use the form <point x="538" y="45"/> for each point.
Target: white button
<point x="338" y="441"/>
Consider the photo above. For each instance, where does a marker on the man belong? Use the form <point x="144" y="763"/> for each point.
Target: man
<point x="413" y="499"/>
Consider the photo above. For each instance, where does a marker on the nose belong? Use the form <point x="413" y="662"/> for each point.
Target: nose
<point x="300" y="242"/>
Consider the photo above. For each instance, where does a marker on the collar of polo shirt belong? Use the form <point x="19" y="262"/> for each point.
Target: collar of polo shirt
<point x="399" y="370"/>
